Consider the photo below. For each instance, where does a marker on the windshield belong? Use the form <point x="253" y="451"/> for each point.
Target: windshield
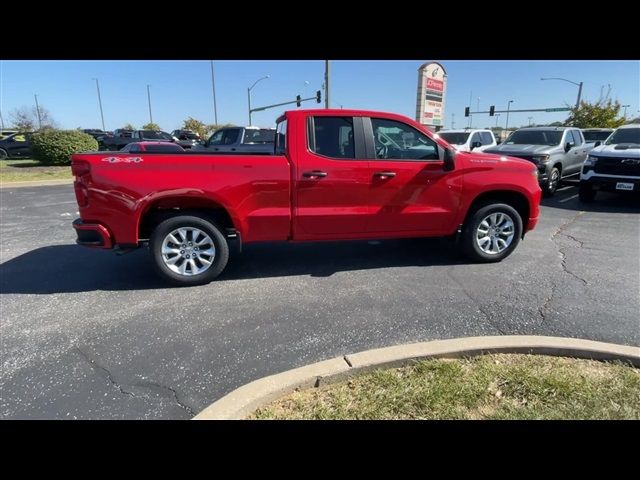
<point x="262" y="135"/>
<point x="535" y="137"/>
<point x="624" y="135"/>
<point x="454" y="138"/>
<point x="150" y="134"/>
<point x="595" y="136"/>
<point x="169" y="147"/>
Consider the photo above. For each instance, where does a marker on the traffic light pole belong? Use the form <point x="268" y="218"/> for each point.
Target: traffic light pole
<point x="562" y="109"/>
<point x="297" y="101"/>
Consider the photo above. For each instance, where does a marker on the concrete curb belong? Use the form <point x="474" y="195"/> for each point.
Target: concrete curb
<point x="244" y="400"/>
<point x="36" y="183"/>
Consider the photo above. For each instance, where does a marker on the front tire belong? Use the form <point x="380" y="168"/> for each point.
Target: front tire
<point x="491" y="233"/>
<point x="3" y="154"/>
<point x="188" y="250"/>
<point x="586" y="193"/>
<point x="553" y="183"/>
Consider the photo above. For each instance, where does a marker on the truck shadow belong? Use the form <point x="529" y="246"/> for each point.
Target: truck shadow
<point x="70" y="269"/>
<point x="566" y="198"/>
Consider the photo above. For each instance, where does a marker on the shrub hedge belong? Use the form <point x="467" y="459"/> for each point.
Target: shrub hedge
<point x="53" y="147"/>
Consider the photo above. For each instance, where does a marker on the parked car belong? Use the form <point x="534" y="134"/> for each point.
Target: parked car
<point x="152" y="147"/>
<point x="240" y="140"/>
<point x="6" y="133"/>
<point x="557" y="152"/>
<point x="614" y="166"/>
<point x="335" y="175"/>
<point x="186" y="138"/>
<point x="122" y="137"/>
<point x="468" y="140"/>
<point x="16" y="145"/>
<point x="595" y="135"/>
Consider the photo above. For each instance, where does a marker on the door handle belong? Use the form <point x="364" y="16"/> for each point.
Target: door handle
<point x="315" y="174"/>
<point x="385" y="174"/>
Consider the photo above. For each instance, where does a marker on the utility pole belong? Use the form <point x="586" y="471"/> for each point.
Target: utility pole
<point x="327" y="73"/>
<point x="470" y="100"/>
<point x="213" y="88"/>
<point x="497" y="116"/>
<point x="1" y="121"/>
<point x="38" y="112"/>
<point x="530" y="118"/>
<point x="100" y="103"/>
<point x="453" y="120"/>
<point x="149" y="98"/>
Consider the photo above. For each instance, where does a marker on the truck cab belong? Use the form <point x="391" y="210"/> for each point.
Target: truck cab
<point x="469" y="140"/>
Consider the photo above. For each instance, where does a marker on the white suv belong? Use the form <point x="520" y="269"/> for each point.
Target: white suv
<point x="467" y="140"/>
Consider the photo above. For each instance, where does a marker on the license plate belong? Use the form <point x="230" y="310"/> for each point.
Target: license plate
<point x="624" y="186"/>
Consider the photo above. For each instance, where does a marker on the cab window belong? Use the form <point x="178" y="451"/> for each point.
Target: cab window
<point x="395" y="140"/>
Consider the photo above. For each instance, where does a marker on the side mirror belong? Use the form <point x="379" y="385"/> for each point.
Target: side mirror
<point x="568" y="146"/>
<point x="475" y="144"/>
<point x="597" y="144"/>
<point x="449" y="157"/>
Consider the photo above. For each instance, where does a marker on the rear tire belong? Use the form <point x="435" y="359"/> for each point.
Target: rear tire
<point x="3" y="154"/>
<point x="586" y="193"/>
<point x="497" y="221"/>
<point x="188" y="250"/>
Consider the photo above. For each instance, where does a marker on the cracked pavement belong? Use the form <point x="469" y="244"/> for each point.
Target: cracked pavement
<point x="87" y="334"/>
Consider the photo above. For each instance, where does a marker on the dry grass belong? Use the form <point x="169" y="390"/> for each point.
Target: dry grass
<point x="25" y="170"/>
<point x="484" y="387"/>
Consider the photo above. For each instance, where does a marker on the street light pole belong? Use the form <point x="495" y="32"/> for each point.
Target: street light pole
<point x="497" y="115"/>
<point x="149" y="98"/>
<point x="213" y="88"/>
<point x="38" y="112"/>
<point x="453" y="120"/>
<point x="625" y="110"/>
<point x="249" y="93"/>
<point x="530" y="118"/>
<point x="506" y="125"/>
<point x="100" y="103"/>
<point x="575" y="83"/>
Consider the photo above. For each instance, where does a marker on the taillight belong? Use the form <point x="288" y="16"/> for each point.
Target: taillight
<point x="79" y="168"/>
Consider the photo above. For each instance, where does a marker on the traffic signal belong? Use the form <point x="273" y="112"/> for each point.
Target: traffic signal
<point x="298" y="99"/>
<point x="318" y="96"/>
<point x="492" y="110"/>
<point x="466" y="111"/>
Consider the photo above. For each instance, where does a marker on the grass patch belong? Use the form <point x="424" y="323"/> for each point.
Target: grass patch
<point x="498" y="386"/>
<point x="26" y="169"/>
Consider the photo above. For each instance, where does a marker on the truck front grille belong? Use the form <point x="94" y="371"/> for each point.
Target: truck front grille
<point x="618" y="166"/>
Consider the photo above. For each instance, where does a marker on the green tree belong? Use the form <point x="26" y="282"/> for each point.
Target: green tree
<point x="128" y="126"/>
<point x="151" y="126"/>
<point x="196" y="126"/>
<point x="601" y="114"/>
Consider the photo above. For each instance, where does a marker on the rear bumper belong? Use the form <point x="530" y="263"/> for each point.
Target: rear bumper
<point x="92" y="235"/>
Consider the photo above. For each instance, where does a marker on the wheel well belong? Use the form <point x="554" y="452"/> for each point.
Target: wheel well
<point x="559" y="167"/>
<point x="518" y="201"/>
<point x="165" y="208"/>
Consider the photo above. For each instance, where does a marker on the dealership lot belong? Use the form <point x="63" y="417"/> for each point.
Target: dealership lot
<point x="88" y="334"/>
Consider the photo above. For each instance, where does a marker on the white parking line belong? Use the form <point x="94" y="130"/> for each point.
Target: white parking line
<point x="568" y="198"/>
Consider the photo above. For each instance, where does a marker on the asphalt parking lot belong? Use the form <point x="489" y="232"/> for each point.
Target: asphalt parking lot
<point x="90" y="335"/>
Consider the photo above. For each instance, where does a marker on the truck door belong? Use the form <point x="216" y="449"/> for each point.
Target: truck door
<point x="576" y="155"/>
<point x="229" y="141"/>
<point x="331" y="178"/>
<point x="409" y="189"/>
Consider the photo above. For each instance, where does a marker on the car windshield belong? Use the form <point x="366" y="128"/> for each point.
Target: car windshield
<point x="454" y="138"/>
<point x="155" y="135"/>
<point x="262" y="135"/>
<point x="535" y="137"/>
<point x="595" y="136"/>
<point x="624" y="135"/>
<point x="188" y="136"/>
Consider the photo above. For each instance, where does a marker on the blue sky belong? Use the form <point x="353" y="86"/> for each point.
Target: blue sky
<point x="183" y="88"/>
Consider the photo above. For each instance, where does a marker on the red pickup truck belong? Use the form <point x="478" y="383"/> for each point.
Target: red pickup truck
<point x="333" y="175"/>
